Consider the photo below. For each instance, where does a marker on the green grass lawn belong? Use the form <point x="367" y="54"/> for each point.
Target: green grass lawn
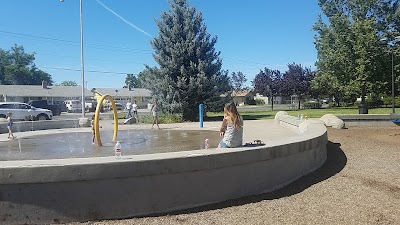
<point x="310" y="113"/>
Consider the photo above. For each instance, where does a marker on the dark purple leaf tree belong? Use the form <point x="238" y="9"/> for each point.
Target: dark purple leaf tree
<point x="268" y="83"/>
<point x="297" y="81"/>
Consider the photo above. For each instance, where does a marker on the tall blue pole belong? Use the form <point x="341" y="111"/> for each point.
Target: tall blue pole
<point x="201" y="115"/>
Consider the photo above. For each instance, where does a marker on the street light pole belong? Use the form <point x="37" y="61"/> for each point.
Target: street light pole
<point x="82" y="62"/>
<point x="392" y="44"/>
<point x="393" y="109"/>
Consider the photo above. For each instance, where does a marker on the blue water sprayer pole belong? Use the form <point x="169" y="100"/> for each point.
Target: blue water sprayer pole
<point x="201" y="115"/>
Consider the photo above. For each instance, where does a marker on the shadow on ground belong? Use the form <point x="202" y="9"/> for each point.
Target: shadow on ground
<point x="335" y="162"/>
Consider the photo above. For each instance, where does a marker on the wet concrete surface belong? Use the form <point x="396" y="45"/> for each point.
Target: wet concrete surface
<point x="79" y="144"/>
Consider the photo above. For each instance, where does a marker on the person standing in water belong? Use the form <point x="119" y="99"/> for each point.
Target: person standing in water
<point x="93" y="130"/>
<point x="129" y="108"/>
<point x="9" y="126"/>
<point x="154" y="110"/>
<point x="232" y="127"/>
<point x="134" y="108"/>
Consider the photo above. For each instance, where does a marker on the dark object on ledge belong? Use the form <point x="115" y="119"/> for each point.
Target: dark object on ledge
<point x="254" y="143"/>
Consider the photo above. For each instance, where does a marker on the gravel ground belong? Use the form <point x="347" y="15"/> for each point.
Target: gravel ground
<point x="358" y="184"/>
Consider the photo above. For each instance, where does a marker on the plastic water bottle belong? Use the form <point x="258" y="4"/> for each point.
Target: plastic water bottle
<point x="117" y="150"/>
<point x="206" y="144"/>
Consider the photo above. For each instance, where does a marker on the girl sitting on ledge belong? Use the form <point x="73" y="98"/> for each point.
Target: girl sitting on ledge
<point x="232" y="127"/>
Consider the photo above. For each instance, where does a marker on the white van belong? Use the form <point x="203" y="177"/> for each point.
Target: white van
<point x="23" y="111"/>
<point x="73" y="105"/>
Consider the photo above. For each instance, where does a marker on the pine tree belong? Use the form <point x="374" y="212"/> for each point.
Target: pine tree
<point x="189" y="68"/>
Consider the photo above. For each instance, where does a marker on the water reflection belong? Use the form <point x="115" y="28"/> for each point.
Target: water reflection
<point x="79" y="145"/>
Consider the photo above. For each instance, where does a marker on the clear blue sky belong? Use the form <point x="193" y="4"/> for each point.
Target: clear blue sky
<point x="252" y="34"/>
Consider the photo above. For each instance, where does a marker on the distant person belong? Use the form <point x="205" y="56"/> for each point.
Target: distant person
<point x="232" y="128"/>
<point x="9" y="126"/>
<point x="154" y="111"/>
<point x="93" y="130"/>
<point x="129" y="108"/>
<point x="134" y="108"/>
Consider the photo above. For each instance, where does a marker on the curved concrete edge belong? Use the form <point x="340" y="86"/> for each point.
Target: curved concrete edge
<point x="65" y="190"/>
<point x="281" y="113"/>
<point x="296" y="124"/>
<point x="331" y="120"/>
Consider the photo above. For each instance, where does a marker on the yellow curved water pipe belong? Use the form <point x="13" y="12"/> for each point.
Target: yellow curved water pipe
<point x="96" y="118"/>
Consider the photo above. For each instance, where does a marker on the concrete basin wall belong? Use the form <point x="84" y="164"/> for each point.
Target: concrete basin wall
<point x="22" y="126"/>
<point x="81" y="189"/>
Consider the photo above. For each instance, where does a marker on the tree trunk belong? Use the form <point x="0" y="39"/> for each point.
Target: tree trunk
<point x="272" y="103"/>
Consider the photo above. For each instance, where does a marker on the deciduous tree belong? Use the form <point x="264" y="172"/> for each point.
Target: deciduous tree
<point x="17" y="67"/>
<point x="268" y="83"/>
<point x="133" y="81"/>
<point x="297" y="81"/>
<point x="348" y="47"/>
<point x="68" y="83"/>
<point x="238" y="80"/>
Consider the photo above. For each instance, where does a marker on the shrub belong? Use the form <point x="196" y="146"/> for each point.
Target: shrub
<point x="163" y="118"/>
<point x="348" y="100"/>
<point x="312" y="105"/>
<point x="397" y="101"/>
<point x="260" y="102"/>
<point x="373" y="102"/>
<point x="171" y="118"/>
<point x="387" y="100"/>
<point x="332" y="104"/>
<point x="120" y="115"/>
<point x="250" y="101"/>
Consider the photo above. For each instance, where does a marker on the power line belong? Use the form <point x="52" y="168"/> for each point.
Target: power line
<point x="74" y="43"/>
<point x="107" y="47"/>
<point x="86" y="71"/>
<point x="112" y="48"/>
<point x="94" y="59"/>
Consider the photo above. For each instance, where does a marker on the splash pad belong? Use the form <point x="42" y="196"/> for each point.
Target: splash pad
<point x="95" y="188"/>
<point x="73" y="144"/>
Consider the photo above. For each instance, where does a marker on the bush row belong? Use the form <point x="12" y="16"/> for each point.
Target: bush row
<point x="163" y="118"/>
<point x="312" y="105"/>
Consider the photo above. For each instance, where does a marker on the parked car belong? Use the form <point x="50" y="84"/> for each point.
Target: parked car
<point x="43" y="104"/>
<point x="91" y="106"/>
<point x="118" y="105"/>
<point x="73" y="105"/>
<point x="108" y="106"/>
<point x="23" y="111"/>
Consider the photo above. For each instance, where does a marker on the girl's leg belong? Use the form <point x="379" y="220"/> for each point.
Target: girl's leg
<point x="157" y="122"/>
<point x="93" y="137"/>
<point x="154" y="121"/>
<point x="10" y="134"/>
<point x="222" y="144"/>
